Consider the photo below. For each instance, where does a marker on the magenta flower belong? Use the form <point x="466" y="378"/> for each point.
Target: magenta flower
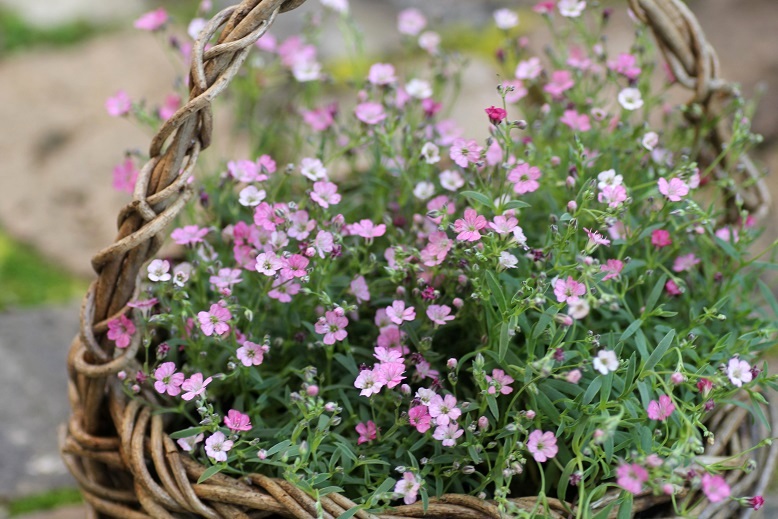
<point x="715" y="488"/>
<point x="366" y="229"/>
<point x="612" y="268"/>
<point x="152" y="20"/>
<point x="370" y="112"/>
<point x="439" y="314"/>
<point x="189" y="235"/>
<point x="496" y="115"/>
<point x="524" y="178"/>
<point x="217" y="446"/>
<point x="252" y="354"/>
<point x="671" y="287"/>
<point x="465" y="152"/>
<point x="214" y="320"/>
<point x="408" y="488"/>
<point x="333" y="326"/>
<point x="367" y="432"/>
<point x="469" y="226"/>
<point x="662" y="409"/>
<point x="499" y="381"/>
<point x="325" y="194"/>
<point x="685" y="262"/>
<point x="561" y="80"/>
<point x="167" y="380"/>
<point x="660" y="238"/>
<point x="120" y="330"/>
<point x="631" y="477"/>
<point x="237" y="421"/>
<point x="397" y="313"/>
<point x="369" y="381"/>
<point x="448" y="434"/>
<point x="194" y="386"/>
<point x="575" y="121"/>
<point x="568" y="290"/>
<point x="125" y="175"/>
<point x="674" y="190"/>
<point x="382" y="74"/>
<point x="118" y="105"/>
<point x="444" y="409"/>
<point x="542" y="445"/>
<point x="419" y="417"/>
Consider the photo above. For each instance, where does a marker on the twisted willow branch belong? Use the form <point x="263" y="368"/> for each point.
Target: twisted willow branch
<point x="117" y="450"/>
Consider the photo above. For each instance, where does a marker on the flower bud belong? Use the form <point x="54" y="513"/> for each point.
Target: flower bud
<point x="262" y="454"/>
<point x="483" y="423"/>
<point x="451" y="363"/>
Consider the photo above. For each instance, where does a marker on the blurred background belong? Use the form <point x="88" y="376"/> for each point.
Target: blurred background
<point x="60" y="60"/>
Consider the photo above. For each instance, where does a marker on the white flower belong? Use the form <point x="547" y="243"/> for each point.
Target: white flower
<point x="571" y="8"/>
<point x="425" y="395"/>
<point x="606" y="361"/>
<point x="650" y="140"/>
<point x="518" y="236"/>
<point x="431" y="153"/>
<point x="508" y="260"/>
<point x="181" y="273"/>
<point x="429" y="41"/>
<point x="304" y="71"/>
<point x="340" y="6"/>
<point x="630" y="99"/>
<point x="251" y="196"/>
<point x="195" y="26"/>
<point x="313" y="169"/>
<point x="609" y="178"/>
<point x="188" y="444"/>
<point x="424" y="190"/>
<point x="418" y="88"/>
<point x="578" y="310"/>
<point x="739" y="372"/>
<point x="159" y="270"/>
<point x="451" y="180"/>
<point x="506" y="19"/>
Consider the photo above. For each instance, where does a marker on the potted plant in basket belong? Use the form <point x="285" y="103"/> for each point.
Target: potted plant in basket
<point x="377" y="308"/>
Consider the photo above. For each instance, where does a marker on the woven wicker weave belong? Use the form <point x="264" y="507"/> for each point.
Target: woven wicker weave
<point x="125" y="463"/>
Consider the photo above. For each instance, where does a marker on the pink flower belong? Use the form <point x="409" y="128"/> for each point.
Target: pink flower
<point x="369" y="381"/>
<point x="188" y="444"/>
<point x="251" y="354"/>
<point x="631" y="477"/>
<point x="283" y="290"/>
<point x="360" y="290"/>
<point x="167" y="380"/>
<point x="319" y="119"/>
<point x="715" y="488"/>
<point x="152" y="20"/>
<point x="217" y="446"/>
<point x="448" y="434"/>
<point x="529" y="69"/>
<point x="625" y="65"/>
<point x="294" y="266"/>
<point x="118" y="105"/>
<point x="367" y="432"/>
<point x="125" y="175"/>
<point x="544" y="7"/>
<point x="568" y="290"/>
<point x="524" y="178"/>
<point x="268" y="263"/>
<point x="504" y="224"/>
<point x="662" y="409"/>
<point x="408" y="487"/>
<point x="390" y="373"/>
<point x="575" y="121"/>
<point x="499" y="381"/>
<point x="194" y="386"/>
<point x="444" y="409"/>
<point x="469" y="226"/>
<point x="333" y="326"/>
<point x="226" y="278"/>
<point x="411" y="22"/>
<point x="121" y="330"/>
<point x="397" y="313"/>
<point x="381" y="74"/>
<point x="367" y="229"/>
<point x="439" y="314"/>
<point x="325" y="194"/>
<point x="673" y="190"/>
<point x="756" y="502"/>
<point x="612" y="195"/>
<point x="214" y="320"/>
<point x="370" y="112"/>
<point x="323" y="243"/>
<point x="660" y="238"/>
<point x="496" y="115"/>
<point x="169" y="107"/>
<point x="685" y="262"/>
<point x="514" y="90"/>
<point x="577" y="58"/>
<point x="237" y="421"/>
<point x="561" y="80"/>
<point x="464" y="152"/>
<point x="739" y="372"/>
<point x="189" y="235"/>
<point x="613" y="268"/>
<point x="265" y="217"/>
<point x="595" y="238"/>
<point x="419" y="418"/>
<point x="542" y="445"/>
<point x="672" y="288"/>
<point x="243" y="170"/>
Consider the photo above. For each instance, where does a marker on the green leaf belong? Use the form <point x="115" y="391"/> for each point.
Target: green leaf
<point x="515" y="204"/>
<point x="505" y="340"/>
<point x="478" y="197"/>
<point x="382" y="489"/>
<point x="592" y="390"/>
<point x="625" y="510"/>
<point x="660" y="351"/>
<point x="655" y="293"/>
<point x="493" y="406"/>
<point x="186" y="433"/>
<point x="496" y="290"/>
<point x="348" y="514"/>
<point x="769" y="297"/>
<point x="278" y="447"/>
<point x="631" y="329"/>
<point x="605" y="512"/>
<point x="210" y="471"/>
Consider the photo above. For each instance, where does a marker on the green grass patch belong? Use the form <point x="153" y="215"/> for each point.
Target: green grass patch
<point x="45" y="501"/>
<point x="28" y="279"/>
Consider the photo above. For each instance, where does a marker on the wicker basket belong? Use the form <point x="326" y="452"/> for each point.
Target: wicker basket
<point x="125" y="463"/>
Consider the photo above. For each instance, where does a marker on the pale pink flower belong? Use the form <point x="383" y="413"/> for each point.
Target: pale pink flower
<point x="367" y="432"/>
<point x="578" y="309"/>
<point x="325" y="194"/>
<point x="524" y="178"/>
<point x="159" y="270"/>
<point x="339" y="6"/>
<point x="575" y="121"/>
<point x="188" y="444"/>
<point x="631" y="477"/>
<point x="243" y="170"/>
<point x="424" y="370"/>
<point x="268" y="263"/>
<point x="505" y="19"/>
<point x="595" y="238"/>
<point x="359" y="289"/>
<point x="728" y="234"/>
<point x="319" y="119"/>
<point x="226" y="278"/>
<point x="251" y="196"/>
<point x="419" y="417"/>
<point x="504" y="224"/>
<point x="189" y="235"/>
<point x="464" y="152"/>
<point x="469" y="226"/>
<point x="444" y="409"/>
<point x="614" y="196"/>
<point x="408" y="488"/>
<point x="397" y="312"/>
<point x="542" y="445"/>
<point x="674" y="190"/>
<point x="194" y="386"/>
<point x="214" y="321"/>
<point x="439" y="314"/>
<point x="313" y="169"/>
<point x="125" y="175"/>
<point x="370" y="112"/>
<point x="121" y="330"/>
<point x="237" y="421"/>
<point x="612" y="268"/>
<point x="568" y="290"/>
<point x="508" y="260"/>
<point x="625" y="65"/>
<point x="300" y="225"/>
<point x="217" y="446"/>
<point x="715" y="488"/>
<point x="561" y="81"/>
<point x="390" y="373"/>
<point x="388" y="355"/>
<point x="167" y="380"/>
<point x="333" y="326"/>
<point x="419" y="89"/>
<point x="630" y="99"/>
<point x="382" y="74"/>
<point x="500" y="382"/>
<point x="739" y="372"/>
<point x="494" y="154"/>
<point x="369" y="381"/>
<point x="605" y="361"/>
<point x="685" y="262"/>
<point x="170" y="106"/>
<point x="573" y="376"/>
<point x="411" y="22"/>
<point x="577" y="58"/>
<point x="662" y="409"/>
<point x="529" y="69"/>
<point x="430" y="41"/>
<point x="366" y="229"/>
<point x="448" y="434"/>
<point x="283" y="290"/>
<point x="451" y="180"/>
<point x="514" y="90"/>
<point x="324" y="243"/>
<point x="251" y="354"/>
<point x="118" y="105"/>
<point x="650" y="140"/>
<point x="449" y="131"/>
<point x="660" y="238"/>
<point x="152" y="20"/>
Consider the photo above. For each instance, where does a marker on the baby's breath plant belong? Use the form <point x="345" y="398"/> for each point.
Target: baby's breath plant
<point x="379" y="304"/>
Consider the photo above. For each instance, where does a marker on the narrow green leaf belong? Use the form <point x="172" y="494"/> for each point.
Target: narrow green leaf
<point x="516" y="204"/>
<point x="655" y="293"/>
<point x="505" y="340"/>
<point x="625" y="510"/>
<point x="186" y="433"/>
<point x="660" y="351"/>
<point x="592" y="390"/>
<point x="278" y="447"/>
<point x="493" y="406"/>
<point x="631" y="329"/>
<point x="210" y="471"/>
<point x="348" y="514"/>
<point x="769" y="297"/>
<point x="382" y="489"/>
<point x="478" y="197"/>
